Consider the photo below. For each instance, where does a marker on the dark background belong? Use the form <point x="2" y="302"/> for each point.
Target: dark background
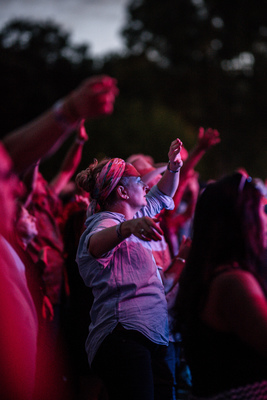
<point x="189" y="64"/>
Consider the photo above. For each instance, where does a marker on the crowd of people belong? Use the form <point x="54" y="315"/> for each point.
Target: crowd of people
<point x="129" y="280"/>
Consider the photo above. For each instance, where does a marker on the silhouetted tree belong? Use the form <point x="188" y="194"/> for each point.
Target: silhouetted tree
<point x="214" y="54"/>
<point x="38" y="65"/>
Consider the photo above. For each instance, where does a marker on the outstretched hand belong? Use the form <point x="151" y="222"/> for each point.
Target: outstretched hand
<point x="94" y="98"/>
<point x="146" y="228"/>
<point x="208" y="138"/>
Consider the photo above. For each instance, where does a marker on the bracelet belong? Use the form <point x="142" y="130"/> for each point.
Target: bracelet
<point x="173" y="172"/>
<point x="61" y="119"/>
<point x="180" y="259"/>
<point x="118" y="231"/>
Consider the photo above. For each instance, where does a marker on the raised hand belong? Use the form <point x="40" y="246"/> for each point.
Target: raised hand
<point x="175" y="159"/>
<point x="94" y="98"/>
<point x="208" y="138"/>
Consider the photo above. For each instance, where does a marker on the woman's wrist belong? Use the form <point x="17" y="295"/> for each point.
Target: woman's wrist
<point x="71" y="110"/>
<point x="174" y="170"/>
<point x="118" y="231"/>
<point x="65" y="115"/>
<point x="123" y="231"/>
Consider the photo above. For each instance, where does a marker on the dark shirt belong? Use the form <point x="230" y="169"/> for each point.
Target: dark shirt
<point x="220" y="361"/>
<point x="47" y="208"/>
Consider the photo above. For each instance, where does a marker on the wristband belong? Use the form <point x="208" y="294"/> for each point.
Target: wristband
<point x="173" y="172"/>
<point x="118" y="231"/>
<point x="180" y="259"/>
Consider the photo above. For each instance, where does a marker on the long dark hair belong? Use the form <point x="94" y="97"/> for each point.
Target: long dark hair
<point x="227" y="231"/>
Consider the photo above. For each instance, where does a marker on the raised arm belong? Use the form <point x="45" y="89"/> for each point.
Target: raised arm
<point x="172" y="274"/>
<point x="94" y="98"/>
<point x="169" y="182"/>
<point x="144" y="228"/>
<point x="206" y="139"/>
<point x="29" y="179"/>
<point x="71" y="160"/>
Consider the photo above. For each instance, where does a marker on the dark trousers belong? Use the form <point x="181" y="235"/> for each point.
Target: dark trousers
<point x="132" y="367"/>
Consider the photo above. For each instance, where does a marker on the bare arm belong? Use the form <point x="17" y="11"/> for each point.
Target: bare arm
<point x="206" y="139"/>
<point x="94" y="98"/>
<point x="192" y="191"/>
<point x="29" y="180"/>
<point x="169" y="182"/>
<point x="172" y="275"/>
<point x="106" y="239"/>
<point x="71" y="160"/>
<point x="241" y="308"/>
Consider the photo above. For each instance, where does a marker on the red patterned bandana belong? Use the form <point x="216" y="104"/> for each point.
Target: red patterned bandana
<point x="106" y="181"/>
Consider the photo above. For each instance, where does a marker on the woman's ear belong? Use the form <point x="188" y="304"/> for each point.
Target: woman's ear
<point x="122" y="192"/>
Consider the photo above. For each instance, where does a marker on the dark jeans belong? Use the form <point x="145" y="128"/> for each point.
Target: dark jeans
<point x="132" y="367"/>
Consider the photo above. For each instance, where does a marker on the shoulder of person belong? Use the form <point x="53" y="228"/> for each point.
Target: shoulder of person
<point x="239" y="303"/>
<point x="237" y="282"/>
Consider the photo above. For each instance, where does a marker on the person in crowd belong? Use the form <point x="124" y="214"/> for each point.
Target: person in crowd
<point x="46" y="249"/>
<point x="128" y="333"/>
<point x="44" y="203"/>
<point x="86" y="384"/>
<point x="178" y="219"/>
<point x="25" y="230"/>
<point x="18" y="317"/>
<point x="221" y="306"/>
<point x="18" y="151"/>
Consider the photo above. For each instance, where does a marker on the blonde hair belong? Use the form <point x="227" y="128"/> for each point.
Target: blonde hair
<point x="86" y="179"/>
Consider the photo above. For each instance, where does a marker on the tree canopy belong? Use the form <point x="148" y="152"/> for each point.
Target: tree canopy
<point x="39" y="64"/>
<point x="214" y="54"/>
<point x="190" y="63"/>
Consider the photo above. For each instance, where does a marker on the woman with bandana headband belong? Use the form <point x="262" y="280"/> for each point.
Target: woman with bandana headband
<point x="128" y="333"/>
